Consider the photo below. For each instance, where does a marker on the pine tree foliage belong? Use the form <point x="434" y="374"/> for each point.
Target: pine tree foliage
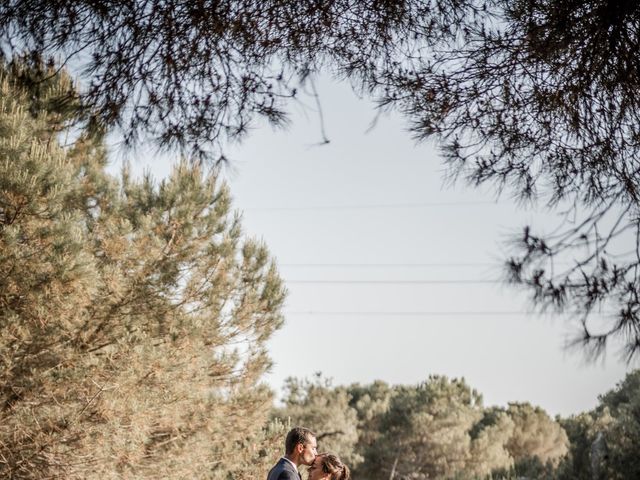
<point x="615" y="453"/>
<point x="604" y="441"/>
<point x="439" y="429"/>
<point x="490" y="436"/>
<point x="192" y="74"/>
<point x="535" y="434"/>
<point x="428" y="432"/>
<point x="581" y="432"/>
<point x="370" y="402"/>
<point x="535" y="97"/>
<point x="133" y="316"/>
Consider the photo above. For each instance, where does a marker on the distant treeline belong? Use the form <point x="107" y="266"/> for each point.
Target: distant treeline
<point x="440" y="429"/>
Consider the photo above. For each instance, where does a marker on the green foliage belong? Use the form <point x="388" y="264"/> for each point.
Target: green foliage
<point x="370" y="402"/>
<point x="426" y="433"/>
<point x="618" y="418"/>
<point x="437" y="429"/>
<point x="581" y="430"/>
<point x="529" y="468"/>
<point x="133" y="316"/>
<point x="535" y="434"/>
<point x="490" y="436"/>
<point x="604" y="442"/>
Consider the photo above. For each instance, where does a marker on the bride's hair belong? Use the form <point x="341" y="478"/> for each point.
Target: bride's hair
<point x="332" y="465"/>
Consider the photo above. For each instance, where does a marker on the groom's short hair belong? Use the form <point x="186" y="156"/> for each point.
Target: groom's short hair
<point x="295" y="436"/>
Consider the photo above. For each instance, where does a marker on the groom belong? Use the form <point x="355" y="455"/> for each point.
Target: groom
<point x="300" y="449"/>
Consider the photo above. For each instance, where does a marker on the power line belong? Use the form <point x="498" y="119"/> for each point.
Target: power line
<point x="369" y="206"/>
<point x="386" y="265"/>
<point x="393" y="282"/>
<point x="434" y="314"/>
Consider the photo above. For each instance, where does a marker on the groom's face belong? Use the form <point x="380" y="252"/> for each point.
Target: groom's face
<point x="309" y="450"/>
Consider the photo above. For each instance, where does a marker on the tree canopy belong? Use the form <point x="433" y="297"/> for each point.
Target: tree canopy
<point x="436" y="429"/>
<point x="133" y="315"/>
<point x="535" y="97"/>
<point x="440" y="429"/>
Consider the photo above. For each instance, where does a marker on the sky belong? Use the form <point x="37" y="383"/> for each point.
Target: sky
<point x="391" y="274"/>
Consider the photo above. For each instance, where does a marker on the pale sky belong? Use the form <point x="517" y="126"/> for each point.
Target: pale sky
<point x="368" y="208"/>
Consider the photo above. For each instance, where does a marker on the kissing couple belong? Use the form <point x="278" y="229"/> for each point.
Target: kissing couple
<point x="301" y="448"/>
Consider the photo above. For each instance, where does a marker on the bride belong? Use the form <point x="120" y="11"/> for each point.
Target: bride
<point x="328" y="467"/>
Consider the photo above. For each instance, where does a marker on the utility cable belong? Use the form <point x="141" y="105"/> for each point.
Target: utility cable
<point x="386" y="265"/>
<point x="435" y="314"/>
<point x="369" y="207"/>
<point x="392" y="282"/>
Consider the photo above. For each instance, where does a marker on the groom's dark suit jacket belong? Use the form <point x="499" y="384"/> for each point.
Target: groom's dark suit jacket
<point x="283" y="470"/>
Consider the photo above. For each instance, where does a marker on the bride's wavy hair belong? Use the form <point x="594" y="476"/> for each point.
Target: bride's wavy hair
<point x="332" y="465"/>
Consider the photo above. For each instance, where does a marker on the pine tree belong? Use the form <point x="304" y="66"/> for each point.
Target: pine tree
<point x="440" y="429"/>
<point x="615" y="435"/>
<point x="535" y="434"/>
<point x="425" y="432"/>
<point x="370" y="402"/>
<point x="133" y="315"/>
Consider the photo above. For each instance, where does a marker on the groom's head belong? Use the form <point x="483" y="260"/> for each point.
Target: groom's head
<point x="301" y="446"/>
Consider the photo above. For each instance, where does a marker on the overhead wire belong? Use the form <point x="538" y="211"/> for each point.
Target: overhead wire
<point x="434" y="313"/>
<point x="386" y="265"/>
<point x="394" y="282"/>
<point x="368" y="206"/>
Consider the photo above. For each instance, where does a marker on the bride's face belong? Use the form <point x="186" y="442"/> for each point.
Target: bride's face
<point x="316" y="472"/>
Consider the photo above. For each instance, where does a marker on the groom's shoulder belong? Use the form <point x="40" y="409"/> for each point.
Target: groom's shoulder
<point x="282" y="471"/>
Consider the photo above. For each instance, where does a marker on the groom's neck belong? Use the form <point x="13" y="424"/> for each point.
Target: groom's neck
<point x="294" y="459"/>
